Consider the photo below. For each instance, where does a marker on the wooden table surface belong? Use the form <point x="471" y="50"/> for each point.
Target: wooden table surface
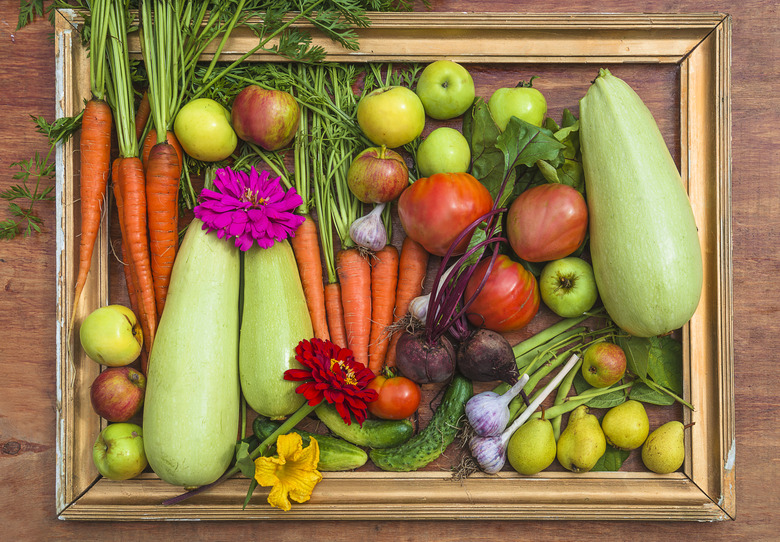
<point x="27" y="310"/>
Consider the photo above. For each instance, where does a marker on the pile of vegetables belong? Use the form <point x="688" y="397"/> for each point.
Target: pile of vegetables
<point x="292" y="243"/>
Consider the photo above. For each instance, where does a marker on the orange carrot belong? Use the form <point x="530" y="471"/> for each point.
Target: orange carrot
<point x="151" y="140"/>
<point x="306" y="247"/>
<point x="335" y="314"/>
<point x="384" y="278"/>
<point x="131" y="280"/>
<point x="162" y="199"/>
<point x="354" y="273"/>
<point x="131" y="180"/>
<point x="411" y="275"/>
<point x="95" y="164"/>
<point x="142" y="115"/>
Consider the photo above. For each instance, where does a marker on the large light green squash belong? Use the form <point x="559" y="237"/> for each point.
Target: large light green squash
<point x="274" y="320"/>
<point x="643" y="237"/>
<point x="191" y="410"/>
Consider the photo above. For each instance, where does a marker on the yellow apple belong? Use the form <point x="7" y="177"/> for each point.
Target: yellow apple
<point x="203" y="129"/>
<point x="445" y="150"/>
<point x="391" y="116"/>
<point x="112" y="336"/>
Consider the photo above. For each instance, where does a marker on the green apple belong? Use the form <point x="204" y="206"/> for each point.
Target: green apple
<point x="203" y="129"/>
<point x="568" y="286"/>
<point x="118" y="452"/>
<point x="446" y="89"/>
<point x="445" y="150"/>
<point x="112" y="336"/>
<point x="603" y="364"/>
<point x="391" y="116"/>
<point x="523" y="102"/>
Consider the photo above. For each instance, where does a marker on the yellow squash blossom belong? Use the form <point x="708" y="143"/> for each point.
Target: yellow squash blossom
<point x="292" y="473"/>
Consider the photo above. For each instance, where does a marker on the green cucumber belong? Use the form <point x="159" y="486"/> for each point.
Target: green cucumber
<point x="274" y="320"/>
<point x="191" y="408"/>
<point x="373" y="433"/>
<point x="431" y="442"/>
<point x="335" y="454"/>
<point x="643" y="238"/>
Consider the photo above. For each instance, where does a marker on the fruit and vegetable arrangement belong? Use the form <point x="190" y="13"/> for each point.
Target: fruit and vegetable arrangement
<point x="349" y="293"/>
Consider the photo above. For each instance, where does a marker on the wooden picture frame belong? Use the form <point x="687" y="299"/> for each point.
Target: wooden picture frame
<point x="699" y="45"/>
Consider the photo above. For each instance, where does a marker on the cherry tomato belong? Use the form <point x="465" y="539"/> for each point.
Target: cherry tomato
<point x="547" y="222"/>
<point x="398" y="398"/>
<point x="436" y="209"/>
<point x="508" y="300"/>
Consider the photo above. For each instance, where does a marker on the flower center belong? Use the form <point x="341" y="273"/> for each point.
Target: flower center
<point x="349" y="374"/>
<point x="253" y="197"/>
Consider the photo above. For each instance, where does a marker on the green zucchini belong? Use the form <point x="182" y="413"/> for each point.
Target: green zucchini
<point x="191" y="408"/>
<point x="643" y="238"/>
<point x="373" y="433"/>
<point x="431" y="442"/>
<point x="274" y="320"/>
<point x="335" y="454"/>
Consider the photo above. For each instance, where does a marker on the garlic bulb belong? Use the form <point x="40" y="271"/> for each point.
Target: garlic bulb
<point x="369" y="231"/>
<point x="488" y="412"/>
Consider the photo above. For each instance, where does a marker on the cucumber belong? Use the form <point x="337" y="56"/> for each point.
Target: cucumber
<point x="191" y="408"/>
<point x="373" y="433"/>
<point x="643" y="238"/>
<point x="431" y="442"/>
<point x="275" y="319"/>
<point x="335" y="454"/>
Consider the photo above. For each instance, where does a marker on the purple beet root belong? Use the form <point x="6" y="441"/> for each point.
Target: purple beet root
<point x="422" y="362"/>
<point x="486" y="356"/>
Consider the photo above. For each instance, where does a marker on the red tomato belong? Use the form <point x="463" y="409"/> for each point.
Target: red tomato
<point x="436" y="209"/>
<point x="508" y="300"/>
<point x="547" y="222"/>
<point x="398" y="398"/>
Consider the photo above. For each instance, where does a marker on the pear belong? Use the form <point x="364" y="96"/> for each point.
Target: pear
<point x="532" y="447"/>
<point x="626" y="426"/>
<point x="582" y="443"/>
<point x="664" y="450"/>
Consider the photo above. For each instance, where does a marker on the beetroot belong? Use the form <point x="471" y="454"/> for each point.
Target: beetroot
<point x="486" y="356"/>
<point x="423" y="362"/>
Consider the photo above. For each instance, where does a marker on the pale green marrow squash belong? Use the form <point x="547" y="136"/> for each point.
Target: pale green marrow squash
<point x="643" y="237"/>
<point x="191" y="410"/>
<point x="274" y="320"/>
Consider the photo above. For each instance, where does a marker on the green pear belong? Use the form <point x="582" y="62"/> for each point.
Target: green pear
<point x="532" y="447"/>
<point x="582" y="443"/>
<point x="626" y="426"/>
<point x="664" y="450"/>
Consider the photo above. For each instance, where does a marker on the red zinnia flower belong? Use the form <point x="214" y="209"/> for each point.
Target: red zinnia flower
<point x="333" y="375"/>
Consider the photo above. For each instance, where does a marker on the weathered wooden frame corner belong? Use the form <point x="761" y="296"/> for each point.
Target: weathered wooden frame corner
<point x="704" y="491"/>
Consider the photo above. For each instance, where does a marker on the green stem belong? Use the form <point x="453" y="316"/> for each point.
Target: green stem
<point x="670" y="393"/>
<point x="578" y="400"/>
<point x="252" y="51"/>
<point x="560" y="397"/>
<point x="547" y="334"/>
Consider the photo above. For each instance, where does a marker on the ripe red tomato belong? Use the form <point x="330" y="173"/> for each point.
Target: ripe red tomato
<point x="547" y="222"/>
<point x="435" y="210"/>
<point x="508" y="300"/>
<point x="398" y="398"/>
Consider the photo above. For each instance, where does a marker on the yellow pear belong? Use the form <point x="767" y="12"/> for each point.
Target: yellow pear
<point x="582" y="443"/>
<point x="532" y="447"/>
<point x="626" y="426"/>
<point x="664" y="450"/>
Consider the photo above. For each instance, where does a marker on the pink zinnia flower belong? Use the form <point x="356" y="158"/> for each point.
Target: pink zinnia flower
<point x="331" y="373"/>
<point x="250" y="207"/>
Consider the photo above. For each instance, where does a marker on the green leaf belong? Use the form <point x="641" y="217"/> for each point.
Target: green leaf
<point x="637" y="351"/>
<point x="243" y="461"/>
<point x="252" y="485"/>
<point x="645" y="394"/>
<point x="611" y="461"/>
<point x="665" y="363"/>
<point x="608" y="400"/>
<point x="487" y="160"/>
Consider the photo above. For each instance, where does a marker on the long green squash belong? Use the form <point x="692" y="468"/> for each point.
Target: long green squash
<point x="643" y="238"/>
<point x="274" y="320"/>
<point x="191" y="410"/>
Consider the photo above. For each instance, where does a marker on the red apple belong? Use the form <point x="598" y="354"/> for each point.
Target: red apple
<point x="377" y="175"/>
<point x="603" y="364"/>
<point x="268" y="118"/>
<point x="117" y="394"/>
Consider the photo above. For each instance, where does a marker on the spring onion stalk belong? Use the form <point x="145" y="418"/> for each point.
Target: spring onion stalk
<point x="560" y="398"/>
